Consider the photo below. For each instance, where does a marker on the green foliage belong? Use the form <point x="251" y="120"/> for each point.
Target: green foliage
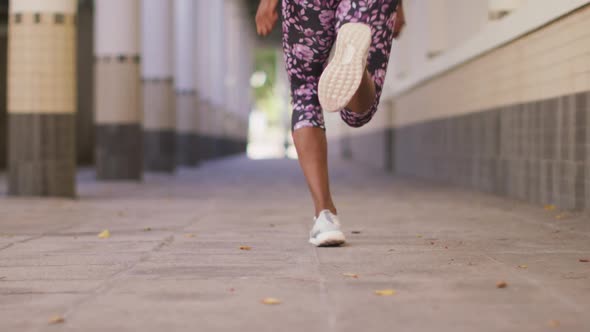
<point x="266" y="100"/>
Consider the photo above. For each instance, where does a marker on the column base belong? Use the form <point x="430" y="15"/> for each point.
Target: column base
<point x="187" y="149"/>
<point x="119" y="152"/>
<point x="160" y="150"/>
<point x="42" y="157"/>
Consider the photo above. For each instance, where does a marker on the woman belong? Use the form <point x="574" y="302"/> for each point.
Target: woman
<point x="361" y="32"/>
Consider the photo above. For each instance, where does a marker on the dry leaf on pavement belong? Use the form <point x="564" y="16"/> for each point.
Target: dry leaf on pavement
<point x="501" y="284"/>
<point x="245" y="248"/>
<point x="147" y="229"/>
<point x="351" y="275"/>
<point x="271" y="301"/>
<point x="190" y="235"/>
<point x="105" y="234"/>
<point x="584" y="260"/>
<point x="57" y="320"/>
<point x="553" y="323"/>
<point x="385" y="292"/>
<point x="523" y="266"/>
<point x="550" y="207"/>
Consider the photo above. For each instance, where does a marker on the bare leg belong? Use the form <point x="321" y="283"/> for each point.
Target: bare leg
<point x="312" y="149"/>
<point x="364" y="97"/>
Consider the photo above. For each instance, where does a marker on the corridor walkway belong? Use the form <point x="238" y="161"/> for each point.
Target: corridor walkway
<point x="173" y="261"/>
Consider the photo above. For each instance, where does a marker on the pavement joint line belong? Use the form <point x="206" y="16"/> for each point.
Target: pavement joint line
<point x="108" y="283"/>
<point x="527" y="278"/>
<point x="32" y="238"/>
<point x="331" y="318"/>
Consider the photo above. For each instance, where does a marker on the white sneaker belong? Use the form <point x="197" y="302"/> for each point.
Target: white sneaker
<point x="326" y="231"/>
<point x="343" y="75"/>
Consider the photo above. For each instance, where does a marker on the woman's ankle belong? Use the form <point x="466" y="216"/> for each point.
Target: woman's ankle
<point x="330" y="208"/>
<point x="364" y="97"/>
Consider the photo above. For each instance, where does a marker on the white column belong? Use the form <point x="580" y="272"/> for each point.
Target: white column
<point x="158" y="90"/>
<point x="218" y="66"/>
<point x="184" y="78"/>
<point x="41" y="98"/>
<point x="204" y="79"/>
<point x="233" y="52"/>
<point x="117" y="98"/>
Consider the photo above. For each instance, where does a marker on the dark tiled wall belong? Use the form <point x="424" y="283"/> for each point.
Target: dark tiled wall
<point x="372" y="149"/>
<point x="3" y="114"/>
<point x="538" y="151"/>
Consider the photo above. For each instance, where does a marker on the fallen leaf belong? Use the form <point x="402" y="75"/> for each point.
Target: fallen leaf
<point x="419" y="236"/>
<point x="501" y="284"/>
<point x="550" y="207"/>
<point x="553" y="323"/>
<point x="385" y="292"/>
<point x="584" y="260"/>
<point x="523" y="266"/>
<point x="147" y="229"/>
<point x="190" y="235"/>
<point x="351" y="275"/>
<point x="446" y="247"/>
<point x="355" y="232"/>
<point x="105" y="234"/>
<point x="271" y="301"/>
<point x="565" y="215"/>
<point x="245" y="248"/>
<point x="57" y="320"/>
<point x="432" y="242"/>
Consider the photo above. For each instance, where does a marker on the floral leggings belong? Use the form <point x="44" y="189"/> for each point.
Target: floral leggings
<point x="309" y="31"/>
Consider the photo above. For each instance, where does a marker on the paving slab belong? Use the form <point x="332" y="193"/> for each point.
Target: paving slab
<point x="174" y="259"/>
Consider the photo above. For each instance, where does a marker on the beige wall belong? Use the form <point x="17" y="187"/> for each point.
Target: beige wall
<point x="464" y="19"/>
<point x="549" y="62"/>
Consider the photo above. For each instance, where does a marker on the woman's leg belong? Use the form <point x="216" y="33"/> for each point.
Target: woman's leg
<point x="312" y="149"/>
<point x="364" y="97"/>
<point x="380" y="15"/>
<point x="308" y="35"/>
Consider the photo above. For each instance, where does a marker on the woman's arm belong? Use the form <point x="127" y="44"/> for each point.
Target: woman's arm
<point x="267" y="16"/>
<point x="400" y="20"/>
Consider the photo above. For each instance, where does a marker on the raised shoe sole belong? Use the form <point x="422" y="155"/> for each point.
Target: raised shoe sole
<point x="343" y="75"/>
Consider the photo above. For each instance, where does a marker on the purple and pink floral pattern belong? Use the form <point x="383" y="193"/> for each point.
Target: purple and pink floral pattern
<point x="309" y="31"/>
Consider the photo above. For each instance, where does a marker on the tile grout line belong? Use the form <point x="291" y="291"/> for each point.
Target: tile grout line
<point x="323" y="288"/>
<point x="108" y="283"/>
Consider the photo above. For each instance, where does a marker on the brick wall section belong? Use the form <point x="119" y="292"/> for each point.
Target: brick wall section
<point x="537" y="151"/>
<point x="513" y="122"/>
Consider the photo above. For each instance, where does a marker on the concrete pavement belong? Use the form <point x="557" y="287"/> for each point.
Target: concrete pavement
<point x="173" y="261"/>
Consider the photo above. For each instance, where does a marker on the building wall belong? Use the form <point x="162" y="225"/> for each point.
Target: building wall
<point x="3" y="69"/>
<point x="3" y="113"/>
<point x="513" y="121"/>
